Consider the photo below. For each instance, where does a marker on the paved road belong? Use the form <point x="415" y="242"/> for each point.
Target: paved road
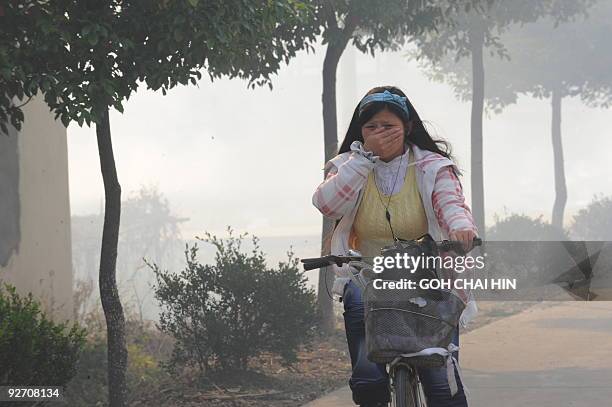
<point x="550" y="355"/>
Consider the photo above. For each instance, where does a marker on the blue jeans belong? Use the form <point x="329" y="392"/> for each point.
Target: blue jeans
<point x="369" y="381"/>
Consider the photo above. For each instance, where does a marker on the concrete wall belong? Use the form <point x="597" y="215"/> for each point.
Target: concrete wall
<point x="35" y="245"/>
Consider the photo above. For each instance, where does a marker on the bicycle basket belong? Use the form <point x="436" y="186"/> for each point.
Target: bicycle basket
<point x="399" y="321"/>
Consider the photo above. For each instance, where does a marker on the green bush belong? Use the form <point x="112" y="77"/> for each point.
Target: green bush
<point x="515" y="227"/>
<point x="89" y="387"/>
<point x="536" y="262"/>
<point x="35" y="350"/>
<point x="223" y="314"/>
<point x="595" y="221"/>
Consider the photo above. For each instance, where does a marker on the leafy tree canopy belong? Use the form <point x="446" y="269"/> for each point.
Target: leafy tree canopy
<point x="89" y="55"/>
<point x="561" y="42"/>
<point x="387" y="24"/>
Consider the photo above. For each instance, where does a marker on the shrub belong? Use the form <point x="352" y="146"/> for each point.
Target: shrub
<point x="89" y="387"/>
<point x="535" y="263"/>
<point x="146" y="345"/>
<point x="595" y="221"/>
<point x="35" y="350"/>
<point x="223" y="314"/>
<point x="515" y="227"/>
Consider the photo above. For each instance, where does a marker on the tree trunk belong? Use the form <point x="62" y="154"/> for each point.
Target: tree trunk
<point x="333" y="53"/>
<point x="109" y="295"/>
<point x="478" y="89"/>
<point x="347" y="87"/>
<point x="10" y="228"/>
<point x="560" y="187"/>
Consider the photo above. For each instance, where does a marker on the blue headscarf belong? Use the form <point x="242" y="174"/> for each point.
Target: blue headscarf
<point x="385" y="96"/>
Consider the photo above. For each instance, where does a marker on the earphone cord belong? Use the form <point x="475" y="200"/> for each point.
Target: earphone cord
<point x="387" y="214"/>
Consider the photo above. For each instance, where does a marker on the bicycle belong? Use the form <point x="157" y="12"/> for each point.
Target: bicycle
<point x="403" y="357"/>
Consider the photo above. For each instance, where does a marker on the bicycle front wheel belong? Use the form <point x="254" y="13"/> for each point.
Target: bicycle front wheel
<point x="405" y="386"/>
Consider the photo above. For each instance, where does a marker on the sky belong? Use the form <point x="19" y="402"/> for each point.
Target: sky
<point x="224" y="154"/>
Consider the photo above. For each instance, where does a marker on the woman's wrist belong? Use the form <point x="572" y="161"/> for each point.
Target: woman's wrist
<point x="357" y="146"/>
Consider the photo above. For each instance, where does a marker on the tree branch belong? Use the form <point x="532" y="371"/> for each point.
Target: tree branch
<point x="23" y="104"/>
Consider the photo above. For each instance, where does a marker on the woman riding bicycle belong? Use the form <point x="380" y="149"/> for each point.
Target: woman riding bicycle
<point x="390" y="179"/>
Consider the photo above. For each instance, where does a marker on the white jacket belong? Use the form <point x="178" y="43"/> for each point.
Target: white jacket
<point x="339" y="196"/>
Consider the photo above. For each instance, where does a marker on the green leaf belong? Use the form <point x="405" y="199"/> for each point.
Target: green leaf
<point x="93" y="39"/>
<point x="178" y="36"/>
<point x="108" y="87"/>
<point x="46" y="84"/>
<point x="65" y="119"/>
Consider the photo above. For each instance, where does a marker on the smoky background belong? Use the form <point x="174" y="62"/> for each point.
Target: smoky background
<point x="217" y="155"/>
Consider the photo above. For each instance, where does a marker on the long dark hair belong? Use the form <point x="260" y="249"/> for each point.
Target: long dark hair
<point x="418" y="136"/>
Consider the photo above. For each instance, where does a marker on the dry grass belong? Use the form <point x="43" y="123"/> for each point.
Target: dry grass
<point x="321" y="367"/>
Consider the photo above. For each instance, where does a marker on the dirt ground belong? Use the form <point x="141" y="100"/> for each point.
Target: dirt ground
<point x="321" y="367"/>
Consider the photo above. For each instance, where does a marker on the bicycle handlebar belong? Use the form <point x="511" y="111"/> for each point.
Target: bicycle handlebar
<point x="446" y="245"/>
<point x="318" y="262"/>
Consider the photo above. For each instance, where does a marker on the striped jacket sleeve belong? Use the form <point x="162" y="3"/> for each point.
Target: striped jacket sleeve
<point x="337" y="194"/>
<point x="453" y="214"/>
<point x="449" y="203"/>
